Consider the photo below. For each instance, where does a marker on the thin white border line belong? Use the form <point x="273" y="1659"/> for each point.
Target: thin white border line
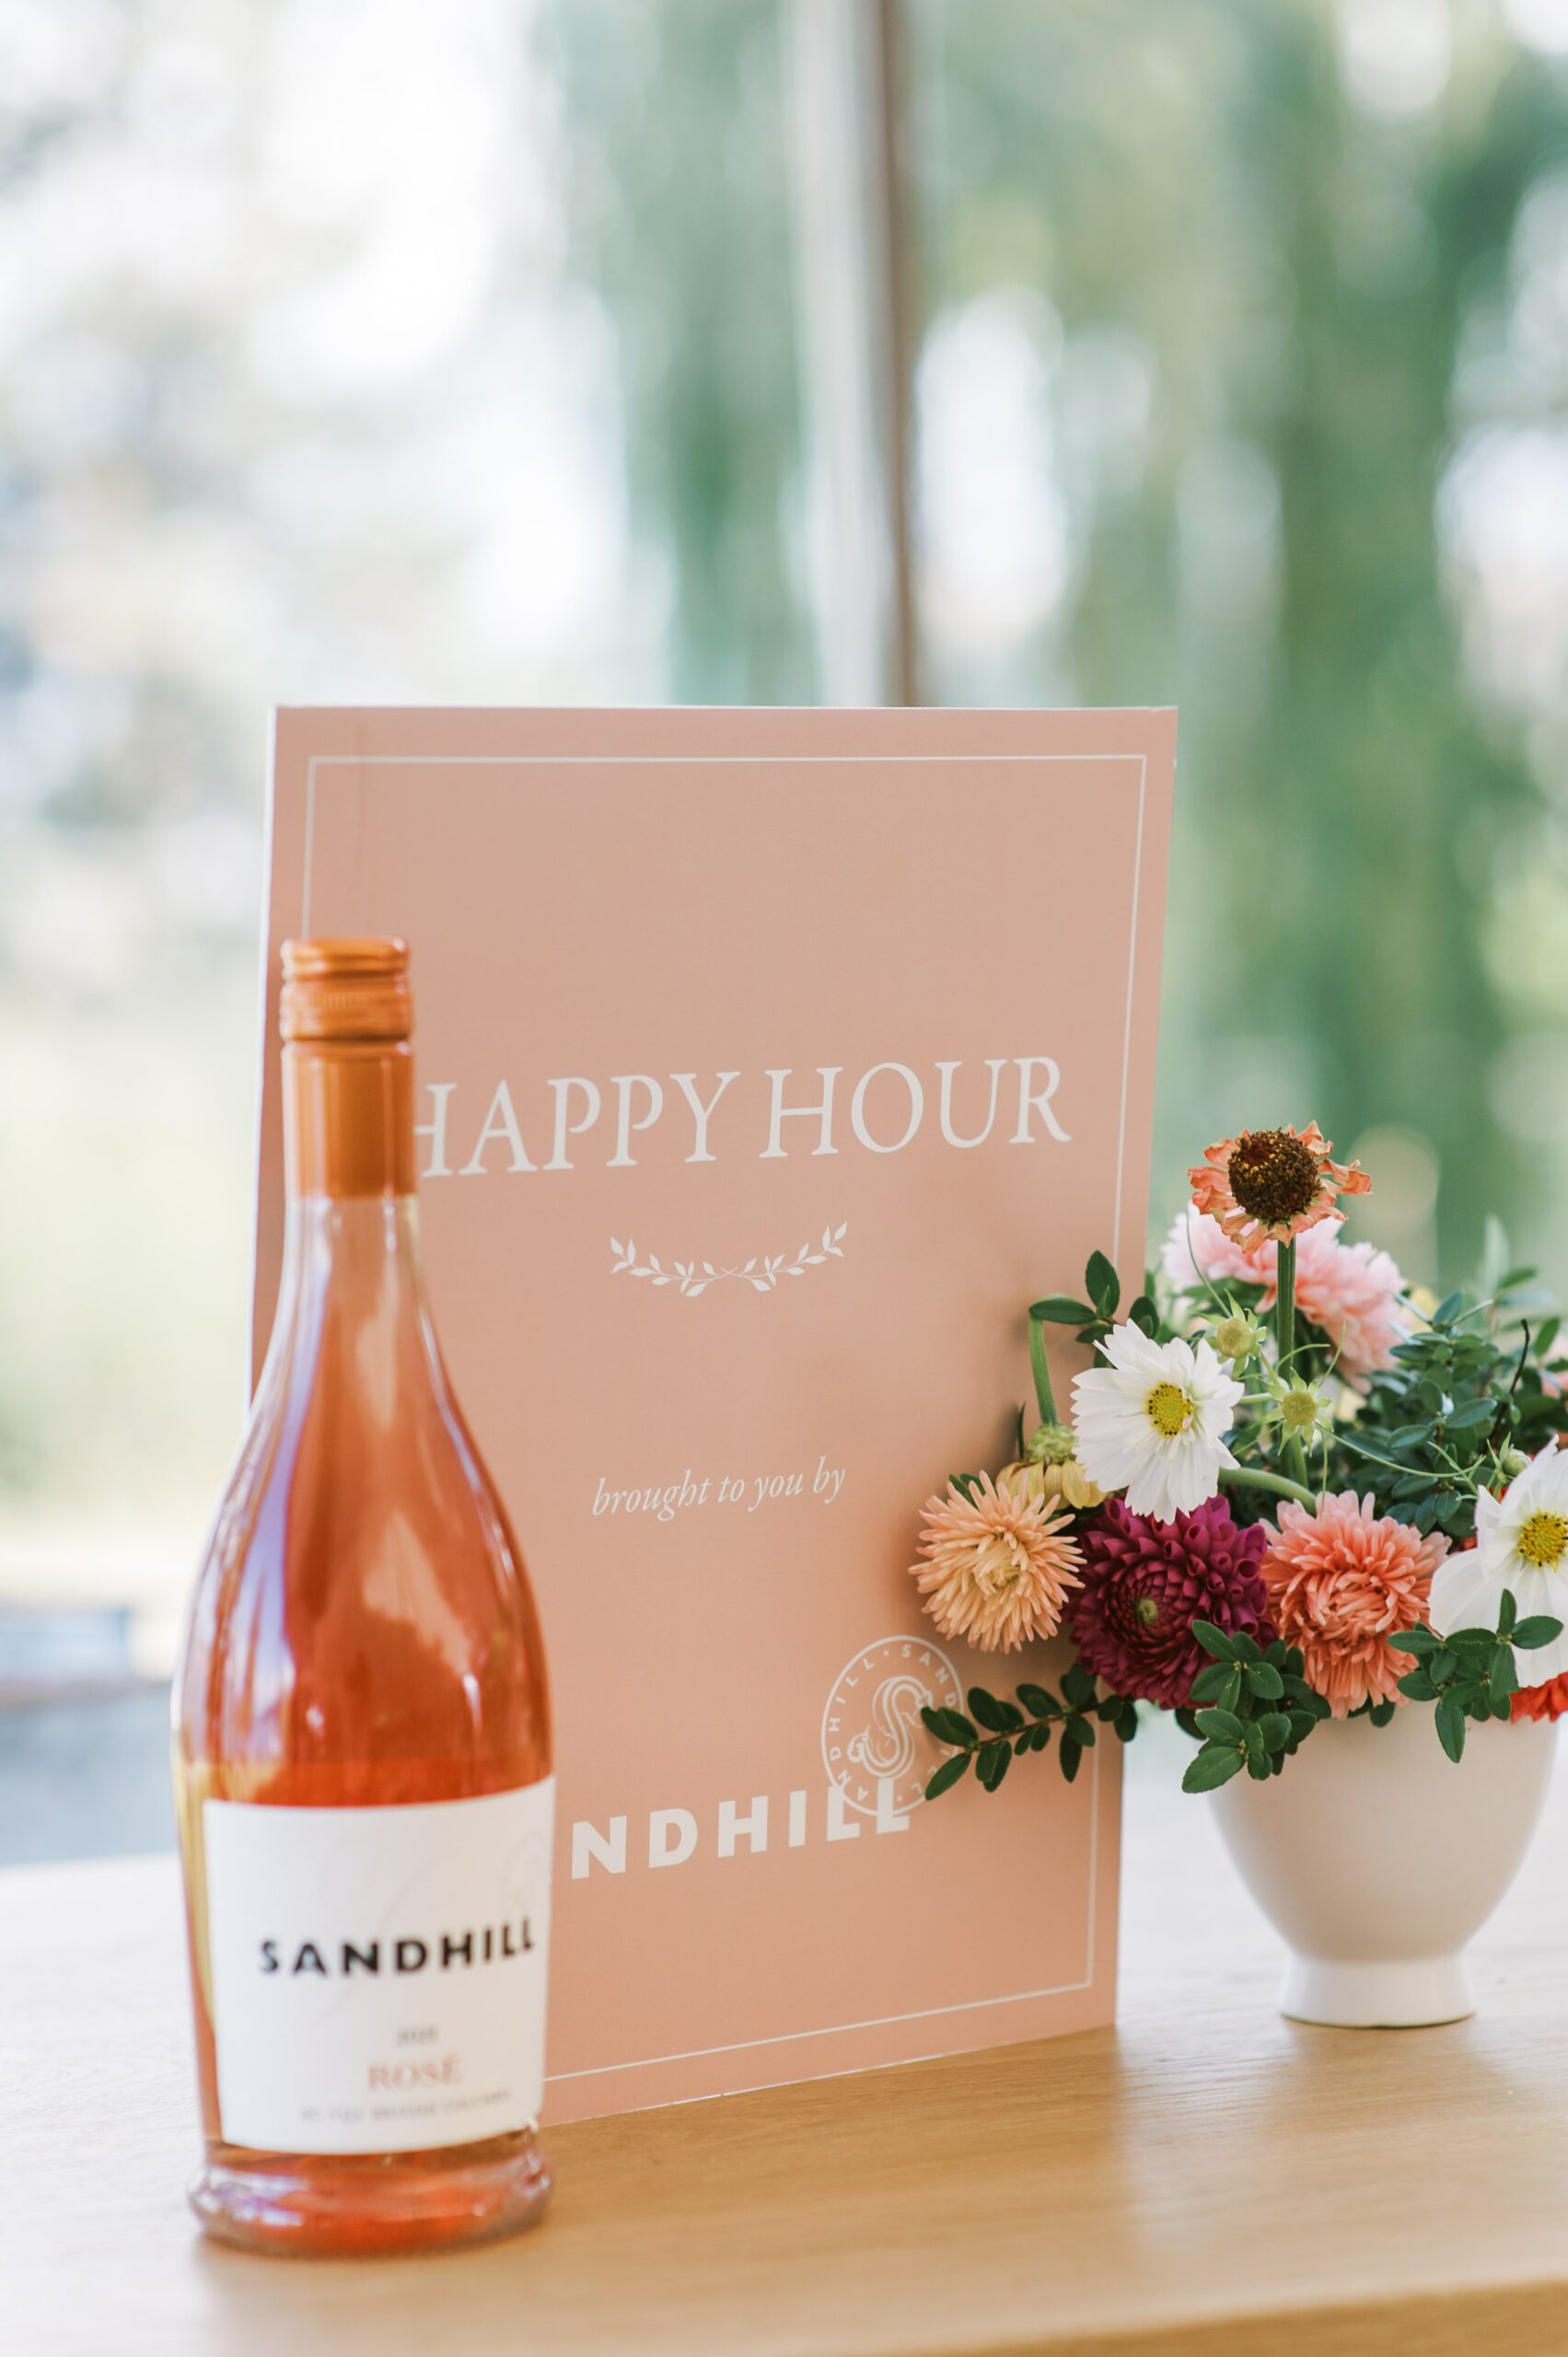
<point x="678" y="761"/>
<point x="675" y="760"/>
<point x="1127" y="1034"/>
<point x="838" y="2029"/>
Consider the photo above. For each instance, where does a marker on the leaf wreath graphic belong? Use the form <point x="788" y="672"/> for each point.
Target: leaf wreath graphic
<point x="761" y="1272"/>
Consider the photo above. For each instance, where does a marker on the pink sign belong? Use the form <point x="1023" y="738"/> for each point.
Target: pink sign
<point x="769" y="1064"/>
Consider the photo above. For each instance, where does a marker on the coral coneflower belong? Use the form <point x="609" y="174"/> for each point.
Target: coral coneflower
<point x="1548" y="1701"/>
<point x="1145" y="1582"/>
<point x="1342" y="1580"/>
<point x="1272" y="1183"/>
<point x="998" y="1565"/>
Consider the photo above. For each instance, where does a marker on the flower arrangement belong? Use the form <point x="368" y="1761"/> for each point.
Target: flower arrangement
<point x="1292" y="1488"/>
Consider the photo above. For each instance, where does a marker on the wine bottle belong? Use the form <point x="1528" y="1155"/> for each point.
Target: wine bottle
<point x="361" y="1732"/>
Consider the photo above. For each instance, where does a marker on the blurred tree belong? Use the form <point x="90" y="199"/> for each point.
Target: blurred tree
<point x="678" y="197"/>
<point x="1256" y="239"/>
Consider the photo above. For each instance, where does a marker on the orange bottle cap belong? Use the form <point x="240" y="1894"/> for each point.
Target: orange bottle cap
<point x="345" y="989"/>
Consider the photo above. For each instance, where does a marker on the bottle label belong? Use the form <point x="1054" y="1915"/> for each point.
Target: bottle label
<point x="379" y="1974"/>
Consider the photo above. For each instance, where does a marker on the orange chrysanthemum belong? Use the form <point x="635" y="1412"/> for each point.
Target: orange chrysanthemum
<point x="997" y="1566"/>
<point x="1273" y="1183"/>
<point x="1548" y="1701"/>
<point x="1342" y="1580"/>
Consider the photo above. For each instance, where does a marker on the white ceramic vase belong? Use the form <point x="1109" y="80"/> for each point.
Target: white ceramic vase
<point x="1377" y="1859"/>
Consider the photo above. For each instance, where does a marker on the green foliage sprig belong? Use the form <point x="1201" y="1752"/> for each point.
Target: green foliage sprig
<point x="1463" y="1404"/>
<point x="1007" y="1730"/>
<point x="1259" y="1711"/>
<point x="1472" y="1674"/>
<point x="1092" y="1320"/>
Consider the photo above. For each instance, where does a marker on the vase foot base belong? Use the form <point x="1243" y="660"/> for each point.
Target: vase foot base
<point x="1409" y="1994"/>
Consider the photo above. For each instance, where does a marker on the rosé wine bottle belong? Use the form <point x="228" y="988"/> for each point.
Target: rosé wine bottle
<point x="361" y="1719"/>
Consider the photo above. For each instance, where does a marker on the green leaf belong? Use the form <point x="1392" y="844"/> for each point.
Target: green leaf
<point x="1471" y="1417"/>
<point x="1040" y="1701"/>
<point x="951" y="1726"/>
<point x="1246" y="1648"/>
<point x="1275" y="1729"/>
<point x="1508" y="1613"/>
<point x="1079" y="1685"/>
<point x="1540" y="1629"/>
<point x="1416" y="1641"/>
<point x="991" y="1764"/>
<point x="1220" y="1726"/>
<point x="1102" y="1284"/>
<point x="1418" y="1685"/>
<point x="948" y="1775"/>
<point x="1001" y="1718"/>
<point x="1264" y="1681"/>
<point x="1440" y="1666"/>
<point x="1382" y="1713"/>
<point x="1209" y="1683"/>
<point x="1215" y="1641"/>
<point x="1215" y="1764"/>
<point x="1069" y="1754"/>
<point x="1144" y="1316"/>
<point x="1501" y="1685"/>
<point x="1040" y="1737"/>
<point x="1451" y="1727"/>
<point x="1127" y="1723"/>
<point x="965" y="1485"/>
<point x="1448" y="1310"/>
<point x="1082" y="1731"/>
<point x="1061" y="1309"/>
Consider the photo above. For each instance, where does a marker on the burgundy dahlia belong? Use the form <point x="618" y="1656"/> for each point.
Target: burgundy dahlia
<point x="1145" y="1582"/>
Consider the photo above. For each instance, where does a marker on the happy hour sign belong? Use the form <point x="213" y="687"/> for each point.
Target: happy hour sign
<point x="768" y="1064"/>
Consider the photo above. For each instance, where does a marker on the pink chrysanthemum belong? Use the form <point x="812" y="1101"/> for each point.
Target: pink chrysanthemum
<point x="998" y="1565"/>
<point x="1198" y="1248"/>
<point x="1145" y="1582"/>
<point x="1342" y="1580"/>
<point x="1273" y="1183"/>
<point x="1354" y="1292"/>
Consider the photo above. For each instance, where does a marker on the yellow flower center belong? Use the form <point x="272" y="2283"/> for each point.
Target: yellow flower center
<point x="999" y="1564"/>
<point x="1542" y="1539"/>
<point x="1170" y="1409"/>
<point x="1298" y="1409"/>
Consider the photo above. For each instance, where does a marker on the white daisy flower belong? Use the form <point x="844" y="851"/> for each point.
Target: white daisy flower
<point x="1521" y="1543"/>
<point x="1152" y="1421"/>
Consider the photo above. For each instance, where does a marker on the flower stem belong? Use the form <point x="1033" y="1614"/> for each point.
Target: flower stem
<point x="1254" y="1478"/>
<point x="1044" y="1396"/>
<point x="1284" y="1311"/>
<point x="1285" y="1335"/>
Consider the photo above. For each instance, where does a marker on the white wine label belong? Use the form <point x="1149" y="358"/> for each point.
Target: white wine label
<point x="379" y="1974"/>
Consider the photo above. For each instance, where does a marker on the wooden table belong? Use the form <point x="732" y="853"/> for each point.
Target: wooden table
<point x="1208" y="2178"/>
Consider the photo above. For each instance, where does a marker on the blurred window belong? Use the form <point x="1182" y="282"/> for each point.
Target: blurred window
<point x="561" y="350"/>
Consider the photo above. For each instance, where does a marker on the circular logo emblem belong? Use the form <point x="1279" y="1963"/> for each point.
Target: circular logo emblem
<point x="872" y="1736"/>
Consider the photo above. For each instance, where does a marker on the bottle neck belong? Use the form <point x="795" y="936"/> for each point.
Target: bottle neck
<point x="348" y="1118"/>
